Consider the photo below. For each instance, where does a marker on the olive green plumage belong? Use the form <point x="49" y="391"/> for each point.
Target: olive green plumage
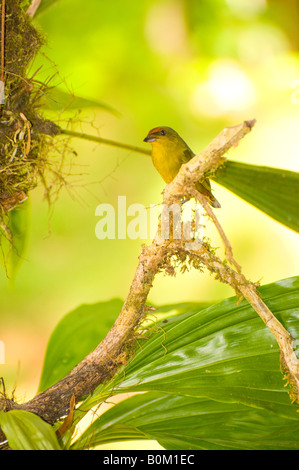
<point x="169" y="152"/>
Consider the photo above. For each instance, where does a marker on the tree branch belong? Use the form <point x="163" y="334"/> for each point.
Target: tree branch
<point x="101" y="140"/>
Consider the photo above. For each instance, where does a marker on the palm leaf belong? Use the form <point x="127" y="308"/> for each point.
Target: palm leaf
<point x="213" y="381"/>
<point x="180" y="422"/>
<point x="273" y="191"/>
<point x="57" y="99"/>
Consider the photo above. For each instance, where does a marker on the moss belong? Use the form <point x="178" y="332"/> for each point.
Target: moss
<point x="23" y="131"/>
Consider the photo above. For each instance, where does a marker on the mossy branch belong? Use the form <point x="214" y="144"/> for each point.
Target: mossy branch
<point x="102" y="363"/>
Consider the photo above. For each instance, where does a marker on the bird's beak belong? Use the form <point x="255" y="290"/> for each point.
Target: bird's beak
<point x="149" y="138"/>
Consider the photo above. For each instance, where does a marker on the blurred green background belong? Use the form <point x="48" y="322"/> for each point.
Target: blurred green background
<point x="196" y="66"/>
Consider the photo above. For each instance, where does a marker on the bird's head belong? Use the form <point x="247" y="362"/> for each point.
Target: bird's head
<point x="162" y="135"/>
<point x="167" y="142"/>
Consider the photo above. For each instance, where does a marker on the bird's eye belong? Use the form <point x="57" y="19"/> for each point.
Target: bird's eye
<point x="162" y="132"/>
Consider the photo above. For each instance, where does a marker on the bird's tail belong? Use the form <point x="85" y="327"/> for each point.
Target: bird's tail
<point x="214" y="203"/>
<point x="204" y="188"/>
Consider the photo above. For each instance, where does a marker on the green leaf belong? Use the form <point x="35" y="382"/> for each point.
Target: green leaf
<point x="19" y="221"/>
<point x="13" y="241"/>
<point x="223" y="352"/>
<point x="81" y="330"/>
<point x="44" y="5"/>
<point x="57" y="99"/>
<point x="220" y="360"/>
<point x="75" y="336"/>
<point x="114" y="433"/>
<point x="27" y="431"/>
<point x="182" y="422"/>
<point x="213" y="380"/>
<point x="273" y="191"/>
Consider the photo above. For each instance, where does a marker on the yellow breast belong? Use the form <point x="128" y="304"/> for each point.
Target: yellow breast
<point x="165" y="161"/>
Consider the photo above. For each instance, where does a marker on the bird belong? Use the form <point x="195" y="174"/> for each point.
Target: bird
<point x="169" y="152"/>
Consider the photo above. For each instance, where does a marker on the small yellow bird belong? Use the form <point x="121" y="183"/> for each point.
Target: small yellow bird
<point x="169" y="152"/>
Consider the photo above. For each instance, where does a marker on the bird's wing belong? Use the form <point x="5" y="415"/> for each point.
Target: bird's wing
<point x="204" y="187"/>
<point x="187" y="155"/>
